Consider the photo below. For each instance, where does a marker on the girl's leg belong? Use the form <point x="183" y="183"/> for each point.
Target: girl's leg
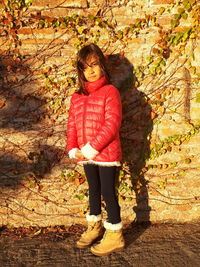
<point x="92" y="175"/>
<point x="107" y="177"/>
<point x="113" y="238"/>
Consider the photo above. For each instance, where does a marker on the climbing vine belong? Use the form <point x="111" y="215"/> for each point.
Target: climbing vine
<point x="175" y="45"/>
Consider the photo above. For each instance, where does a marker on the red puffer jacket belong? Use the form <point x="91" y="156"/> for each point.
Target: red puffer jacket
<point x="94" y="121"/>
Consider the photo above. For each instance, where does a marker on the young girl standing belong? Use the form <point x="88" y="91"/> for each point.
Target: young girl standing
<point x="93" y="139"/>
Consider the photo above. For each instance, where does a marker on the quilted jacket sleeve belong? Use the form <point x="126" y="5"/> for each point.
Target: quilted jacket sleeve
<point x="113" y="117"/>
<point x="71" y="129"/>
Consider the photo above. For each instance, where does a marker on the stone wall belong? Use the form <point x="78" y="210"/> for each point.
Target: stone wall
<point x="160" y="130"/>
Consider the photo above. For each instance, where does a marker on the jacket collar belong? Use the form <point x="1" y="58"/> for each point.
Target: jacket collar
<point x="93" y="86"/>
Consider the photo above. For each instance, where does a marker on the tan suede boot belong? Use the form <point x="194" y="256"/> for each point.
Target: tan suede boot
<point x="93" y="231"/>
<point x="112" y="241"/>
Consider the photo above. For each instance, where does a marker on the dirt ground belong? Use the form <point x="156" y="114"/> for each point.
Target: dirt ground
<point x="150" y="245"/>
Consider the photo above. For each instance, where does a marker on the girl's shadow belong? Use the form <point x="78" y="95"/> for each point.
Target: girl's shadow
<point x="135" y="130"/>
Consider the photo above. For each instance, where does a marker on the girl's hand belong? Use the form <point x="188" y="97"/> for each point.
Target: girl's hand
<point x="79" y="155"/>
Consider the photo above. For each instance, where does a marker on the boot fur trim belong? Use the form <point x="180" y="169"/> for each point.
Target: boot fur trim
<point x="114" y="227"/>
<point x="93" y="218"/>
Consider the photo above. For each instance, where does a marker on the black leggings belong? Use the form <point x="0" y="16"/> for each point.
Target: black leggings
<point x="101" y="181"/>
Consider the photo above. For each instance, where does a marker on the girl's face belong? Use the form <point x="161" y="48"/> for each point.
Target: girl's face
<point x="92" y="70"/>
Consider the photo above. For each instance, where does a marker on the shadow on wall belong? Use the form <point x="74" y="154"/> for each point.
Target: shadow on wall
<point x="136" y="126"/>
<point x="20" y="110"/>
<point x="21" y="113"/>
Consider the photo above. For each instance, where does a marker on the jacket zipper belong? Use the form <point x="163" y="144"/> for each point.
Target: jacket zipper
<point x="84" y="111"/>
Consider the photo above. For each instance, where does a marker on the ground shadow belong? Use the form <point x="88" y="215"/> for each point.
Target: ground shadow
<point x="21" y="113"/>
<point x="135" y="129"/>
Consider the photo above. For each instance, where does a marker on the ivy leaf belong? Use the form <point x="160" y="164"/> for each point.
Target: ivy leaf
<point x="97" y="21"/>
<point x="41" y="23"/>
<point x="7" y="21"/>
<point x="91" y="17"/>
<point x="120" y="34"/>
<point x="63" y="25"/>
<point x="13" y="31"/>
<point x="177" y="16"/>
<point x="187" y="6"/>
<point x="174" y="23"/>
<point x="186" y="35"/>
<point x="158" y="70"/>
<point x="137" y="22"/>
<point x="38" y="232"/>
<point x="198" y="97"/>
<point x="181" y="10"/>
<point x="80" y="29"/>
<point x="155" y="51"/>
<point x="153" y="115"/>
<point x="162" y="62"/>
<point x="80" y="197"/>
<point x="184" y="15"/>
<point x="188" y="160"/>
<point x="193" y="70"/>
<point x="2" y="104"/>
<point x="149" y="59"/>
<point x="104" y="25"/>
<point x="161" y="10"/>
<point x="140" y="74"/>
<point x="178" y="37"/>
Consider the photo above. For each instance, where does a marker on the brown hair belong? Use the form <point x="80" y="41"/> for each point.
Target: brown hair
<point x="83" y="54"/>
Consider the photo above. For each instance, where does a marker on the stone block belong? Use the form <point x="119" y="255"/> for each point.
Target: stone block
<point x="161" y="2"/>
<point x="60" y="3"/>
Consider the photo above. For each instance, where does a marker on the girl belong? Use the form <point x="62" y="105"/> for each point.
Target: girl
<point x="93" y="139"/>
